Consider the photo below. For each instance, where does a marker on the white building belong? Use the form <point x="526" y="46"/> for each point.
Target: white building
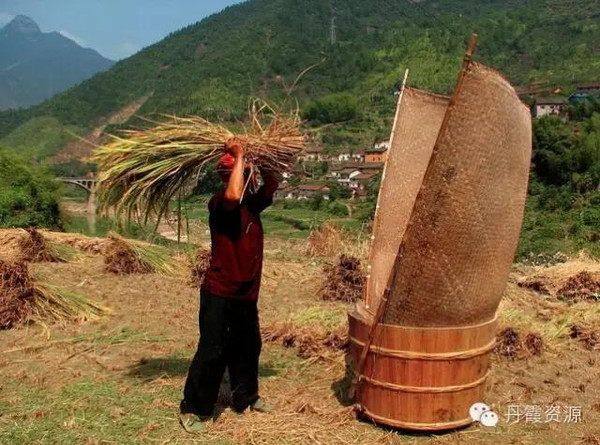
<point x="550" y="106"/>
<point x="347" y="156"/>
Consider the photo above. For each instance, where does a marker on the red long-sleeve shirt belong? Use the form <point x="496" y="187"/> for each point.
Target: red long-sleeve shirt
<point x="237" y="247"/>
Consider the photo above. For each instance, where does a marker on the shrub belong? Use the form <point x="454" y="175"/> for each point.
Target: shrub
<point x="29" y="195"/>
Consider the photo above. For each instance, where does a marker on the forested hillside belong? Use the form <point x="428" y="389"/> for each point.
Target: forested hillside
<point x="258" y="48"/>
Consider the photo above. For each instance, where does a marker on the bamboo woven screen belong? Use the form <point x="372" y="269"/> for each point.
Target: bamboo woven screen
<point x="456" y="252"/>
<point x="418" y="120"/>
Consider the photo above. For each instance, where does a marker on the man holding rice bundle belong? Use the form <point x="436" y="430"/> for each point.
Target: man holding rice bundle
<point x="229" y="329"/>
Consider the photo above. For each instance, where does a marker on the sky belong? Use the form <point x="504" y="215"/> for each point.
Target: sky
<point x="115" y="28"/>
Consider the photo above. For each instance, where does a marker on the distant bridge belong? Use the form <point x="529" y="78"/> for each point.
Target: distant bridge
<point x="89" y="185"/>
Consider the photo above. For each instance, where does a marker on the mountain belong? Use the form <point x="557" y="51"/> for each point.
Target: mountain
<point x="258" y="48"/>
<point x="35" y="65"/>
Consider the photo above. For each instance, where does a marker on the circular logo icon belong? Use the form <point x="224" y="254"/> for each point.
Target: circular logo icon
<point x="489" y="418"/>
<point x="477" y="410"/>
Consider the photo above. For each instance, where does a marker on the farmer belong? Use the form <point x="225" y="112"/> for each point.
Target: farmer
<point x="229" y="331"/>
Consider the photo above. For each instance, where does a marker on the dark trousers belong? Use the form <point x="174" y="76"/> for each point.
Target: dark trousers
<point x="229" y="337"/>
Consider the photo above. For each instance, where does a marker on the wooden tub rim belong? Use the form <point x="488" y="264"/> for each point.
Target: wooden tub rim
<point x="358" y="315"/>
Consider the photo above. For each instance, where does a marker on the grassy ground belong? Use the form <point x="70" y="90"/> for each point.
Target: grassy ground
<point x="119" y="380"/>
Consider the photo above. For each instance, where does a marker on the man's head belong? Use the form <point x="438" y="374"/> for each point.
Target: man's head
<point x="225" y="166"/>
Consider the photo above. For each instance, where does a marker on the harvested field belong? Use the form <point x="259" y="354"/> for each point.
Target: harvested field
<point x="121" y="376"/>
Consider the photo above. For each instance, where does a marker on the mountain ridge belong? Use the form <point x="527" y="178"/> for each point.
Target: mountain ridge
<point x="35" y="65"/>
<point x="257" y="48"/>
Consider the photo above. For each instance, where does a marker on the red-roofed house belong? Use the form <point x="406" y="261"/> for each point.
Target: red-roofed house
<point x="307" y="191"/>
<point x="361" y="181"/>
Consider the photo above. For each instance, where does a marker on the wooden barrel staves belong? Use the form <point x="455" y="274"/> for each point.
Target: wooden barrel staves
<point x="421" y="378"/>
<point x="445" y="233"/>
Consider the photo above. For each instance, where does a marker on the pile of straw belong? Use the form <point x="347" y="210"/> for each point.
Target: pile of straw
<point x="199" y="263"/>
<point x="144" y="169"/>
<point x="23" y="299"/>
<point x="33" y="246"/>
<point x="123" y="256"/>
<point x="343" y="281"/>
<point x="509" y="344"/>
<point x="308" y="341"/>
<point x="589" y="337"/>
<point x="16" y="293"/>
<point x="36" y="248"/>
<point x="574" y="281"/>
<point x="583" y="286"/>
<point x="77" y="242"/>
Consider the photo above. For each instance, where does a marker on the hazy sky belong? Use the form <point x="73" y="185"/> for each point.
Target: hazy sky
<point x="114" y="28"/>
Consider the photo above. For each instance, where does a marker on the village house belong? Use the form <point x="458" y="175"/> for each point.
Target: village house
<point x="344" y="176"/>
<point x="378" y="153"/>
<point x="313" y="154"/>
<point x="284" y="191"/>
<point x="303" y="191"/>
<point x="370" y="167"/>
<point x="347" y="156"/>
<point x="308" y="191"/>
<point x="361" y="181"/>
<point x="550" y="106"/>
<point x="589" y="89"/>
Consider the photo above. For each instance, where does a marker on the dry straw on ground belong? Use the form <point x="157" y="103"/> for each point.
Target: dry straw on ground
<point x="309" y="341"/>
<point x="344" y="281"/>
<point x="144" y="169"/>
<point x="78" y="241"/>
<point x="329" y="240"/>
<point x="577" y="280"/>
<point x="511" y="345"/>
<point x="23" y="298"/>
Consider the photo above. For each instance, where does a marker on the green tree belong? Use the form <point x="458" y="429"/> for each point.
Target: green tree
<point x="332" y="108"/>
<point x="553" y="142"/>
<point x="29" y="195"/>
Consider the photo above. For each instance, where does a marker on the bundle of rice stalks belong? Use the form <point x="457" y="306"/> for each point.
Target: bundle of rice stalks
<point x="123" y="256"/>
<point x="16" y="293"/>
<point x="344" y="281"/>
<point x="57" y="303"/>
<point x="144" y="169"/>
<point x="199" y="263"/>
<point x="36" y="248"/>
<point x="22" y="299"/>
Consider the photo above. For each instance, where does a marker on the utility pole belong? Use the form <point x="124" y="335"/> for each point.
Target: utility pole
<point x="333" y="35"/>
